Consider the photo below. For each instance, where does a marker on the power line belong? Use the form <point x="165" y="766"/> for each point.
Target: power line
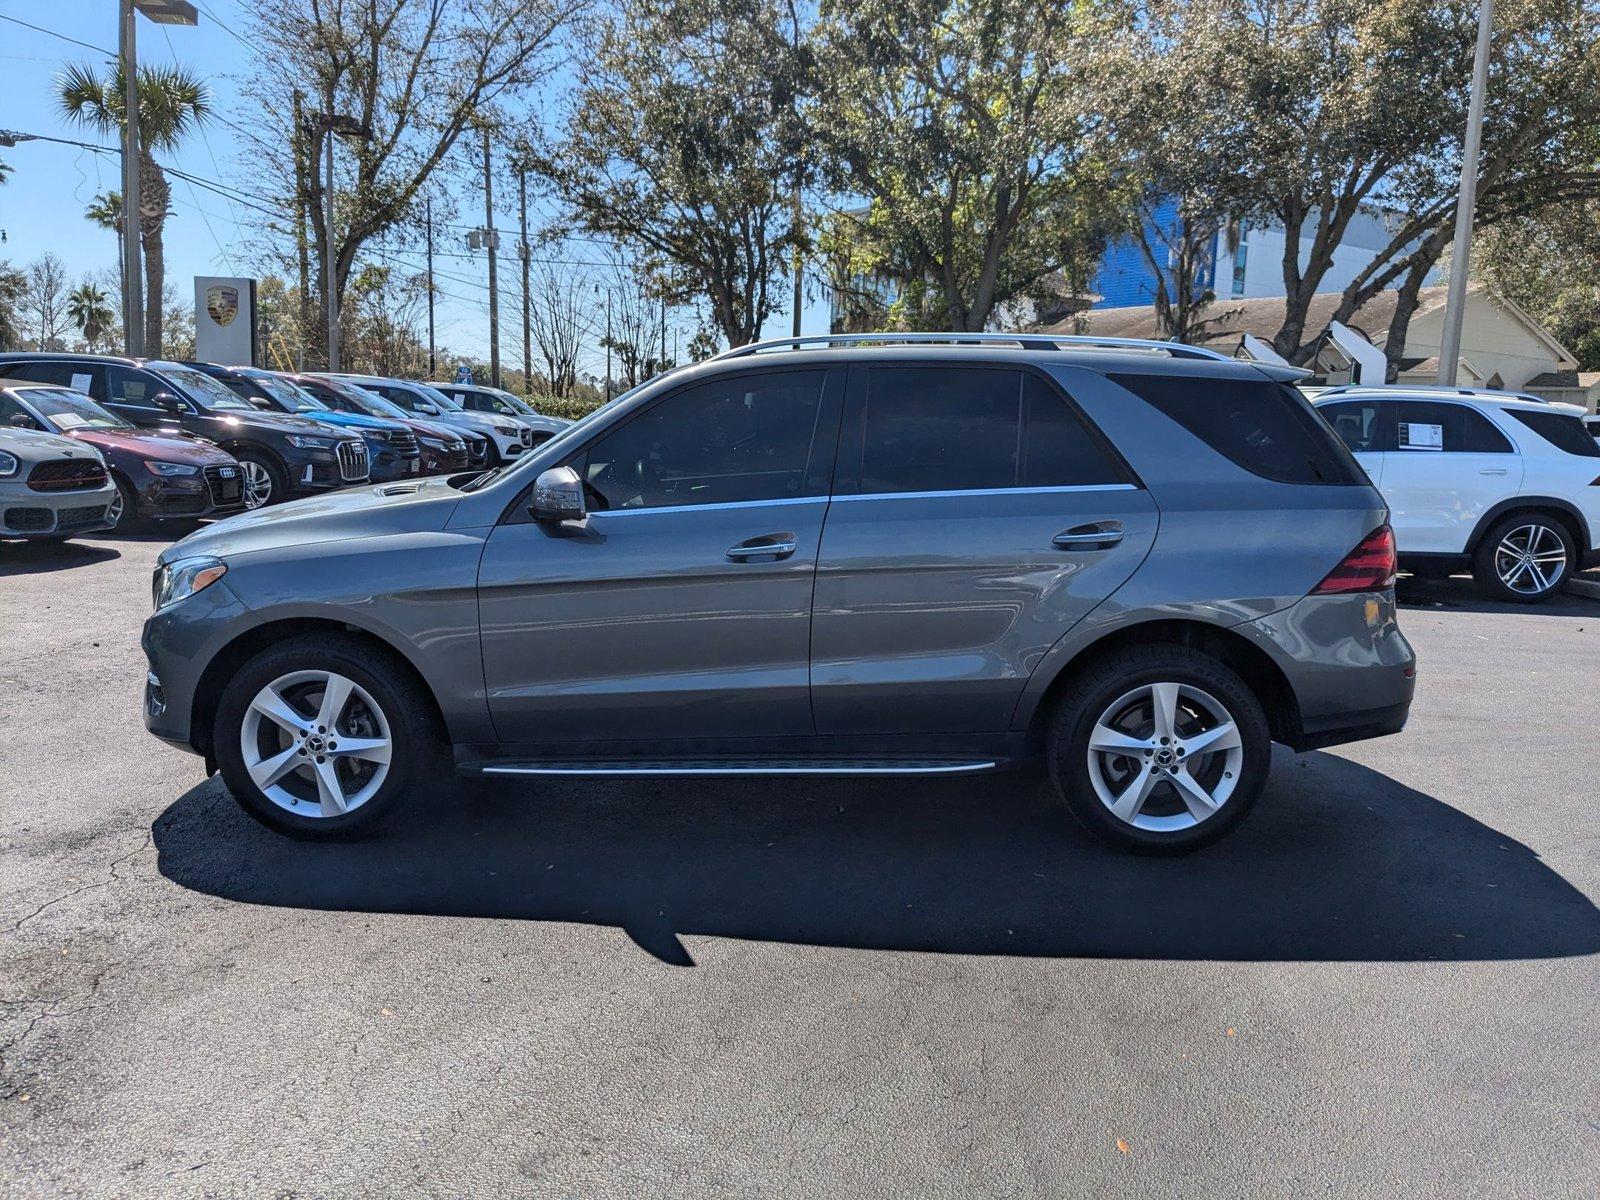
<point x="54" y="34"/>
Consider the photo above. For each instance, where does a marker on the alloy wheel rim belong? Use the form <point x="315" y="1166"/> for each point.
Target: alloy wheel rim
<point x="1165" y="757"/>
<point x="316" y="743"/>
<point x="1530" y="559"/>
<point x="114" y="509"/>
<point x="257" y="484"/>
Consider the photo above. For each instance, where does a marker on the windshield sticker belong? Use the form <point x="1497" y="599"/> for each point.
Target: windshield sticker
<point x="80" y="383"/>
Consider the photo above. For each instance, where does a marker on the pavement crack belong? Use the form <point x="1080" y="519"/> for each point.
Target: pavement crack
<point x="111" y="878"/>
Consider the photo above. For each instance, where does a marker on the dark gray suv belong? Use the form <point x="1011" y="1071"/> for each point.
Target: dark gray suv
<point x="893" y="555"/>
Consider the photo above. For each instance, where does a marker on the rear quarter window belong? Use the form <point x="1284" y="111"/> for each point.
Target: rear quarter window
<point x="1264" y="427"/>
<point x="1561" y="431"/>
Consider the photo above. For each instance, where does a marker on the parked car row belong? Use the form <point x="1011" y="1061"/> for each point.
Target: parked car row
<point x="191" y="440"/>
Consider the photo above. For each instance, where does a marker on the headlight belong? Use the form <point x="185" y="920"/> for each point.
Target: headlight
<point x="506" y="430"/>
<point x="309" y="443"/>
<point x="166" y="468"/>
<point x="181" y="579"/>
<point x="8" y="465"/>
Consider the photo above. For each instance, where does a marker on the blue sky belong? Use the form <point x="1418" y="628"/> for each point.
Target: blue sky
<point x="42" y="204"/>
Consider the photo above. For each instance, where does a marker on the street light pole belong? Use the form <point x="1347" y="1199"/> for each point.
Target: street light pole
<point x="132" y="285"/>
<point x="331" y="268"/>
<point x="1456" y="297"/>
<point x="433" y="362"/>
<point x="494" y="278"/>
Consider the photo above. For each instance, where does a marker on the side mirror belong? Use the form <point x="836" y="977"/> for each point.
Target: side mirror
<point x="428" y="407"/>
<point x="558" y="496"/>
<point x="167" y="402"/>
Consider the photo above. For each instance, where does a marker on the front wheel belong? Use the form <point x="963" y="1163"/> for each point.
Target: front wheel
<point x="321" y="738"/>
<point x="264" y="480"/>
<point x="1159" y="749"/>
<point x="1525" y="558"/>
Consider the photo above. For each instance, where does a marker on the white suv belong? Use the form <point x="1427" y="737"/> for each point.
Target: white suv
<point x="1508" y="485"/>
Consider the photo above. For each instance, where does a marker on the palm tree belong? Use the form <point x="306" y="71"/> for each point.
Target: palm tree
<point x="90" y="312"/>
<point x="171" y="103"/>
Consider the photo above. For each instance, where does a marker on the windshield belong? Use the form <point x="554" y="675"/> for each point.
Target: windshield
<point x="70" y="410"/>
<point x="515" y="405"/>
<point x="570" y="434"/>
<point x="202" y="389"/>
<point x="285" y="393"/>
<point x="437" y="397"/>
<point x="373" y="404"/>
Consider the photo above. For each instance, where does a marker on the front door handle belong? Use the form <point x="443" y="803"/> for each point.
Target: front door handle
<point x="767" y="548"/>
<point x="1491" y="470"/>
<point x="1099" y="535"/>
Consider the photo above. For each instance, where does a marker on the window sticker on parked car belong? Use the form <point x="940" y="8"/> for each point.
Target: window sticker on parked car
<point x="80" y="383"/>
<point x="1415" y="435"/>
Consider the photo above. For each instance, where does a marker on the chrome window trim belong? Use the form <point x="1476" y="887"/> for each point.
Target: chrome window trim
<point x="1010" y="491"/>
<point x="661" y="508"/>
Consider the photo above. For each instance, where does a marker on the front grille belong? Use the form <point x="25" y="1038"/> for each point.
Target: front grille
<point x="226" y="484"/>
<point x="353" y="460"/>
<point x="404" y="443"/>
<point x="29" y="520"/>
<point x="67" y="475"/>
<point x="478" y="453"/>
<point x="456" y="460"/>
<point x="527" y="438"/>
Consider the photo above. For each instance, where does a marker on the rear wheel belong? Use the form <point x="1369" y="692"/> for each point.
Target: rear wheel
<point x="320" y="738"/>
<point x="1526" y="557"/>
<point x="1159" y="749"/>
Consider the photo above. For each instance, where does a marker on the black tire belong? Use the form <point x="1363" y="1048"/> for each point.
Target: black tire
<point x="1547" y="532"/>
<point x="277" y="477"/>
<point x="417" y="741"/>
<point x="129" y="521"/>
<point x="1113" y="679"/>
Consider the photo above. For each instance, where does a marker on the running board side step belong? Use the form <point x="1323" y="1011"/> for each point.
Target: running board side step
<point x="734" y="766"/>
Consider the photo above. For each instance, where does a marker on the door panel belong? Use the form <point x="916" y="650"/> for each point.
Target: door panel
<point x="931" y="611"/>
<point x="641" y="625"/>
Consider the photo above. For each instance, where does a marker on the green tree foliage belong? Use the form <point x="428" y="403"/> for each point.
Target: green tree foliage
<point x="90" y="310"/>
<point x="968" y="125"/>
<point x="682" y="142"/>
<point x="13" y="289"/>
<point x="172" y="103"/>
<point x="1549" y="263"/>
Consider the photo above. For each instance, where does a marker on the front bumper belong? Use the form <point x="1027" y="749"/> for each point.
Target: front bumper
<point x="210" y="493"/>
<point x="25" y="513"/>
<point x="179" y="642"/>
<point x="322" y="470"/>
<point x="1351" y="670"/>
<point x="385" y="466"/>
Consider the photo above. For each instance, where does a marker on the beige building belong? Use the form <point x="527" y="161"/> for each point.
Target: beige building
<point x="1502" y="346"/>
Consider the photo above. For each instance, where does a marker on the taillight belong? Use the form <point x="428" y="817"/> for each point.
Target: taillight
<point x="1370" y="567"/>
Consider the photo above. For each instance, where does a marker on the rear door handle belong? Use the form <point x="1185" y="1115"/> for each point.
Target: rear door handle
<point x="1100" y="535"/>
<point x="1491" y="470"/>
<point x="769" y="547"/>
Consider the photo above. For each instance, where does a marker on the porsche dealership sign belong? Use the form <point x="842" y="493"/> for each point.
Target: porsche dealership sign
<point x="225" y="320"/>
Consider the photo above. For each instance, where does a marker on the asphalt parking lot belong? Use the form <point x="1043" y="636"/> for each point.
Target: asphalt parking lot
<point x="1384" y="984"/>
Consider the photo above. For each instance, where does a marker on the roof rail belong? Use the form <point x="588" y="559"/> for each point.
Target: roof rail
<point x="1031" y="341"/>
<point x="1441" y="389"/>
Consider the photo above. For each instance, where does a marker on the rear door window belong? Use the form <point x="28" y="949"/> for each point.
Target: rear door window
<point x="943" y="429"/>
<point x="1561" y="430"/>
<point x="1428" y="427"/>
<point x="1267" y="428"/>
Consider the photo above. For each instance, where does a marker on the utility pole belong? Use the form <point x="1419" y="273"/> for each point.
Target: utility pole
<point x="494" y="282"/>
<point x="663" y="333"/>
<point x="302" y="245"/>
<point x="1466" y="202"/>
<point x="330" y="271"/>
<point x="523" y="252"/>
<point x="433" y="362"/>
<point x="794" y="326"/>
<point x="132" y="284"/>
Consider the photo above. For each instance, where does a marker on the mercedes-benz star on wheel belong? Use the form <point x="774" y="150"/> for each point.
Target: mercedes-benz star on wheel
<point x="936" y="555"/>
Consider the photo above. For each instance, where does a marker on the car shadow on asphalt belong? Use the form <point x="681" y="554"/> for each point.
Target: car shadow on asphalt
<point x="1339" y="863"/>
<point x="1461" y="594"/>
<point x="39" y="558"/>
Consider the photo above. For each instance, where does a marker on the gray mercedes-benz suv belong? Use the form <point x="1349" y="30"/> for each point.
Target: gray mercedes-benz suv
<point x="886" y="555"/>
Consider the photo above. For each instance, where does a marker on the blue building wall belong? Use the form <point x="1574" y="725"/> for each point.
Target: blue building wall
<point x="1124" y="278"/>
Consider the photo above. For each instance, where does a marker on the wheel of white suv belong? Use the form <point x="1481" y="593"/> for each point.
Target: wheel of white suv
<point x="1525" y="557"/>
<point x="321" y="738"/>
<point x="1159" y="749"/>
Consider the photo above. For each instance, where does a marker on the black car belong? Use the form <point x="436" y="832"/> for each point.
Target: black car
<point x="391" y="446"/>
<point x="282" y="456"/>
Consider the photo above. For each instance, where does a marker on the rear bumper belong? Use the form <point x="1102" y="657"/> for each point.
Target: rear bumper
<point x="1350" y="669"/>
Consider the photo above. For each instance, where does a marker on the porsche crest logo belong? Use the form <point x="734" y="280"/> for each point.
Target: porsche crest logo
<point x="222" y="303"/>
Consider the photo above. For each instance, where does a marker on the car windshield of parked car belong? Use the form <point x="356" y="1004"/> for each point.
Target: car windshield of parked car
<point x="373" y="404"/>
<point x="292" y="398"/>
<point x="437" y="397"/>
<point x="67" y="411"/>
<point x="202" y="389"/>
